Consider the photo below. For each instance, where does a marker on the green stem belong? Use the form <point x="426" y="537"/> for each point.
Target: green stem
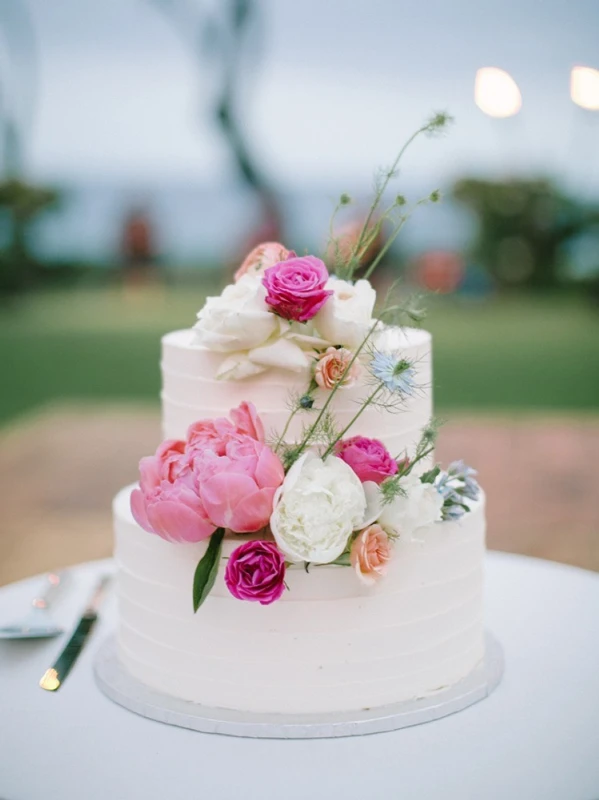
<point x="385" y="248"/>
<point x="383" y="251"/>
<point x="281" y="438"/>
<point x="381" y="190"/>
<point x="364" y="406"/>
<point x="417" y="459"/>
<point x="376" y="229"/>
<point x="304" y="443"/>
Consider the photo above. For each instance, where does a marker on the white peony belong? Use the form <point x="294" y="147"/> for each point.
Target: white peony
<point x="238" y="319"/>
<point x="316" y="509"/>
<point x="421" y="505"/>
<point x="347" y="315"/>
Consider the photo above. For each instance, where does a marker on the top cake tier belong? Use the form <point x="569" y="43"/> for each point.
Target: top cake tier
<point x="191" y="391"/>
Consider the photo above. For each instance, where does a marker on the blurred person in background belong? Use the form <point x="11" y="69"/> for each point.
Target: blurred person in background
<point x="138" y="250"/>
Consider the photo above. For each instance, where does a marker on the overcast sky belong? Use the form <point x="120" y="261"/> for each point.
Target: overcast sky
<point x="336" y="87"/>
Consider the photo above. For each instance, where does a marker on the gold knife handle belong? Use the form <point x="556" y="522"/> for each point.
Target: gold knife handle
<point x="54" y="677"/>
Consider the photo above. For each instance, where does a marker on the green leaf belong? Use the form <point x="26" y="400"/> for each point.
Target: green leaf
<point x="343" y="560"/>
<point x="207" y="569"/>
<point x="431" y="475"/>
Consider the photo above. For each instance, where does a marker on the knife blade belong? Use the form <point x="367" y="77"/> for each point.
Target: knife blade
<point x="54" y="677"/>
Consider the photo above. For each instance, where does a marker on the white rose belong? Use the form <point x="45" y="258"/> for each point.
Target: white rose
<point x="238" y="319"/>
<point x="347" y="315"/>
<point x="282" y="353"/>
<point x="421" y="505"/>
<point x="316" y="509"/>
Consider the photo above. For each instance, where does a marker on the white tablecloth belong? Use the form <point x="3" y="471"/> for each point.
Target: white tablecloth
<point x="536" y="737"/>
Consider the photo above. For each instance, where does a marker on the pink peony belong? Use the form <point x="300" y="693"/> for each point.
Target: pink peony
<point x="238" y="487"/>
<point x="213" y="434"/>
<point x="166" y="502"/>
<point x="210" y="434"/>
<point x="223" y="476"/>
<point x="261" y="257"/>
<point x="165" y="464"/>
<point x="247" y="421"/>
<point x="370" y="552"/>
<point x="331" y="369"/>
<point x="174" y="511"/>
<point x="256" y="572"/>
<point x="369" y="458"/>
<point x="295" y="288"/>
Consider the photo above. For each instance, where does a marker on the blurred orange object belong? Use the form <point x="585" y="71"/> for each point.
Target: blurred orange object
<point x="440" y="271"/>
<point x="346" y="238"/>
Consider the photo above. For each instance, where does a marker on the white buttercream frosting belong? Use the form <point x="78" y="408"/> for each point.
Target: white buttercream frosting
<point x="191" y="391"/>
<point x="329" y="644"/>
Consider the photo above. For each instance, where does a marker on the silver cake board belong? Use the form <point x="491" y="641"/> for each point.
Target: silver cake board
<point x="121" y="687"/>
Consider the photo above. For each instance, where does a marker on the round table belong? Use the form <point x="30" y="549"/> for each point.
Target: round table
<point x="536" y="736"/>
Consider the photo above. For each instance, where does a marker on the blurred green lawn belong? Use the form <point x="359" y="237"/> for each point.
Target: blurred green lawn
<point x="504" y="354"/>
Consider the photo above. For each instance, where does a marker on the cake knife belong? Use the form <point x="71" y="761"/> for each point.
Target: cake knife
<point x="54" y="677"/>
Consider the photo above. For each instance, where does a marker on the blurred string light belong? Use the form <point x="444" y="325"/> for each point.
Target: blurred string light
<point x="584" y="87"/>
<point x="496" y="93"/>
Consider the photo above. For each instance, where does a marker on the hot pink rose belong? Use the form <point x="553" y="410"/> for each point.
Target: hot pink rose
<point x="237" y="488"/>
<point x="369" y="458"/>
<point x="370" y="552"/>
<point x="263" y="256"/>
<point x="256" y="572"/>
<point x="295" y="288"/>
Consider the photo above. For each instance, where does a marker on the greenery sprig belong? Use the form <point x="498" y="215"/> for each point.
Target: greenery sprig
<point x="392" y="488"/>
<point x="345" y="267"/>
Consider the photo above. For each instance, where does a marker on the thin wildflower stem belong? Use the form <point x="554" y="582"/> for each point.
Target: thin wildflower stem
<point x="383" y="186"/>
<point x="369" y="400"/>
<point x="307" y="438"/>
<point x="281" y="438"/>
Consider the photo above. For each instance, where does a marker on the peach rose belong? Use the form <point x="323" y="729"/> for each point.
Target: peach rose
<point x="261" y="257"/>
<point x="330" y="368"/>
<point x="370" y="552"/>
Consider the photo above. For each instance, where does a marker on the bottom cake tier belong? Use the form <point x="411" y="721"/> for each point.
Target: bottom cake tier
<point x="330" y="644"/>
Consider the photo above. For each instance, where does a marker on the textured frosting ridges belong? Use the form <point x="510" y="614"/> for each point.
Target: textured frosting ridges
<point x="330" y="644"/>
<point x="191" y="392"/>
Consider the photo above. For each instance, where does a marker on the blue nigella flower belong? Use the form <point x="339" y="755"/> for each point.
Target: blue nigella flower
<point x="466" y="476"/>
<point x="453" y="512"/>
<point x="447" y="488"/>
<point x="397" y="374"/>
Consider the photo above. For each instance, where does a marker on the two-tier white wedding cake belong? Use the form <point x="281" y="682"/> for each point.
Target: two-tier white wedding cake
<point x="291" y="547"/>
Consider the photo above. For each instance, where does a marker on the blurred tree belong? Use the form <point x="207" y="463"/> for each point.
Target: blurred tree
<point x="523" y="226"/>
<point x="221" y="36"/>
<point x="20" y="204"/>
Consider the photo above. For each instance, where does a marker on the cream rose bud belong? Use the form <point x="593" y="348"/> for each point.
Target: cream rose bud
<point x="316" y="509"/>
<point x="420" y="505"/>
<point x="347" y="315"/>
<point x="238" y="319"/>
